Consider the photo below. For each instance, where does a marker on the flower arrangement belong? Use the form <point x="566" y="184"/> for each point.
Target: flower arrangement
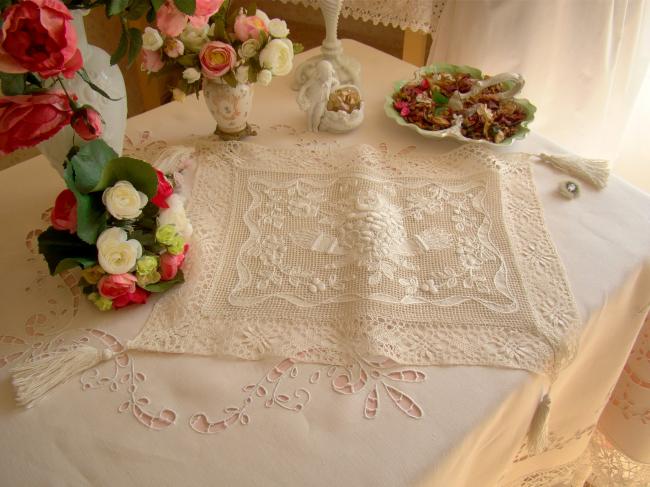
<point x="122" y="222"/>
<point x="243" y="47"/>
<point x="38" y="48"/>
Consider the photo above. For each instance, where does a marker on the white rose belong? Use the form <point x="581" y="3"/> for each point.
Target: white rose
<point x="249" y="48"/>
<point x="262" y="15"/>
<point x="278" y="28"/>
<point x="178" y="94"/>
<point x="277" y="56"/>
<point x="194" y="38"/>
<point x="241" y="74"/>
<point x="117" y="254"/>
<point x="151" y="39"/>
<point x="175" y="215"/>
<point x="123" y="201"/>
<point x="191" y="75"/>
<point x="264" y="77"/>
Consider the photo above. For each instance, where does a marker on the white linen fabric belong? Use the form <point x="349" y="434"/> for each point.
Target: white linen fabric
<point x="586" y="64"/>
<point x="422" y="15"/>
<point x="136" y="420"/>
<point x="326" y="253"/>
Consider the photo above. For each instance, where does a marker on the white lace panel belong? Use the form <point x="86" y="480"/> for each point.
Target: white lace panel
<point x="335" y="252"/>
<point x="422" y="15"/>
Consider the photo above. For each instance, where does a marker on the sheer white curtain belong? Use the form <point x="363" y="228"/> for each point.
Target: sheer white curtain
<point x="586" y="65"/>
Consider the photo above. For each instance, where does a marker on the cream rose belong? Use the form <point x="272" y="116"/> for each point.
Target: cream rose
<point x="241" y="74"/>
<point x="277" y="56"/>
<point x="116" y="253"/>
<point x="249" y="48"/>
<point x="123" y="201"/>
<point x="194" y="38"/>
<point x="175" y="215"/>
<point x="191" y="75"/>
<point x="278" y="28"/>
<point x="264" y="77"/>
<point x="151" y="39"/>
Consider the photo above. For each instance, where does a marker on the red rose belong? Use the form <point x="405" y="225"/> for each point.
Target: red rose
<point x="113" y="286"/>
<point x="38" y="36"/>
<point x="64" y="214"/>
<point x="170" y="263"/>
<point x="87" y="123"/>
<point x="139" y="296"/>
<point x="165" y="190"/>
<point x="26" y="120"/>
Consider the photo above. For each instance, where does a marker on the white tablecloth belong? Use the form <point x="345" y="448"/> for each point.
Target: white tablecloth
<point x="474" y="419"/>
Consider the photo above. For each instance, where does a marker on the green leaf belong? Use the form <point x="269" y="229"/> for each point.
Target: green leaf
<point x="163" y="286"/>
<point x="156" y="4"/>
<point x="439" y="98"/>
<point x="120" y="52"/>
<point x="188" y="60"/>
<point x="298" y="48"/>
<point x="72" y="262"/>
<point x="91" y="214"/>
<point x="139" y="173"/>
<point x="31" y="78"/>
<point x="63" y="250"/>
<point x="186" y="6"/>
<point x="135" y="44"/>
<point x="88" y="164"/>
<point x="115" y="7"/>
<point x="220" y="30"/>
<point x="136" y="9"/>
<point x="151" y="15"/>
<point x="229" y="78"/>
<point x="84" y="76"/>
<point x="12" y="84"/>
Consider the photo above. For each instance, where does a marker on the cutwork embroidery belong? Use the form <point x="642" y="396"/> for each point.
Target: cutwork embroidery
<point x="272" y="390"/>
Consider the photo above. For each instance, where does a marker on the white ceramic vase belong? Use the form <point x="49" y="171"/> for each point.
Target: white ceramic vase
<point x="229" y="106"/>
<point x="108" y="78"/>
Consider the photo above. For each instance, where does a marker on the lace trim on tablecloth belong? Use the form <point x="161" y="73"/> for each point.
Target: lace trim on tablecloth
<point x="332" y="253"/>
<point x="415" y="15"/>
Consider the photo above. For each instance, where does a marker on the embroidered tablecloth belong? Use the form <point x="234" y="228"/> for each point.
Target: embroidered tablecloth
<point x="283" y="422"/>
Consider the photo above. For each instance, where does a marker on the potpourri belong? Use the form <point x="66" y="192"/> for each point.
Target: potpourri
<point x="424" y="102"/>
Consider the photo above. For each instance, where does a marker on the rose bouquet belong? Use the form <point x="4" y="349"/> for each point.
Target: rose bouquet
<point x="243" y="47"/>
<point x="121" y="221"/>
<point x="38" y="48"/>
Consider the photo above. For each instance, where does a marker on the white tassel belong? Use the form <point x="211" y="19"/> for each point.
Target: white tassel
<point x="594" y="171"/>
<point x="34" y="378"/>
<point x="538" y="432"/>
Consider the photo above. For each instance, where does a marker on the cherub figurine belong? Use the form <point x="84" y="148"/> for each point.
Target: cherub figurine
<point x="313" y="95"/>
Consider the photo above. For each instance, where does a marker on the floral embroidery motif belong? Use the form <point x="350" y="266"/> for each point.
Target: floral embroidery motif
<point x="359" y="376"/>
<point x="372" y="238"/>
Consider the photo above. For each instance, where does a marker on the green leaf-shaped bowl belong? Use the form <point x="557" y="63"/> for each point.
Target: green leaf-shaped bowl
<point x="523" y="129"/>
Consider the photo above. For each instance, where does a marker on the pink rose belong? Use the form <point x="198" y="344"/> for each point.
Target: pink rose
<point x="26" y="120"/>
<point x="164" y="191"/>
<point x="217" y="58"/>
<point x="170" y="263"/>
<point x="151" y="61"/>
<point x="87" y="123"/>
<point x="38" y="36"/>
<point x="171" y="21"/>
<point x="138" y="296"/>
<point x="249" y="27"/>
<point x="64" y="214"/>
<point x="112" y="286"/>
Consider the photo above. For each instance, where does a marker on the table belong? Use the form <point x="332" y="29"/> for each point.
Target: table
<point x="474" y="418"/>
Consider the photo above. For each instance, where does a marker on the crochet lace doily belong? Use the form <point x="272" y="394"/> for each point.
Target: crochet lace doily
<point x="326" y="253"/>
<point x="422" y="15"/>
